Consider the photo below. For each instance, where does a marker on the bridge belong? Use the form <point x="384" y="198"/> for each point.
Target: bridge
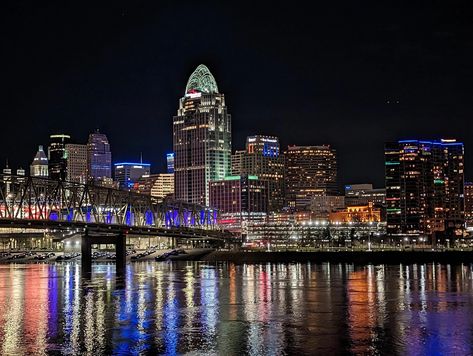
<point x="103" y="215"/>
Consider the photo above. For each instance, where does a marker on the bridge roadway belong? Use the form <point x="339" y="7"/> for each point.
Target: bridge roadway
<point x="173" y="232"/>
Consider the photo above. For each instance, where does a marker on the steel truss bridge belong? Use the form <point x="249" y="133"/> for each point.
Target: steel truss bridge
<point x="32" y="202"/>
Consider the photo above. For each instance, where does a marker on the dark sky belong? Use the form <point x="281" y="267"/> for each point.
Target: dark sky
<point x="353" y="74"/>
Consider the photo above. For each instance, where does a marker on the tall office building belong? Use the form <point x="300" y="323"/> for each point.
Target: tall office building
<point x="262" y="159"/>
<point x="239" y="195"/>
<point x="201" y="138"/>
<point x="39" y="166"/>
<point x="127" y="174"/>
<point x="310" y="171"/>
<point x="99" y="158"/>
<point x="76" y="163"/>
<point x="57" y="156"/>
<point x="424" y="187"/>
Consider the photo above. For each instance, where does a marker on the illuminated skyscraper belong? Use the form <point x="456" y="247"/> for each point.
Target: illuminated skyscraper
<point x="99" y="157"/>
<point x="310" y="171"/>
<point x="424" y="187"/>
<point x="202" y="138"/>
<point x="39" y="166"/>
<point x="262" y="159"/>
<point x="76" y="163"/>
<point x="57" y="156"/>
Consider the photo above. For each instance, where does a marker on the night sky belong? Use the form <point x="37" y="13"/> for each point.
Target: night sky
<point x="353" y="74"/>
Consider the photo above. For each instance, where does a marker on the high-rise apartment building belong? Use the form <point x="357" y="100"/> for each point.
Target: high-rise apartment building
<point x="127" y="174"/>
<point x="39" y="166"/>
<point x="99" y="158"/>
<point x="201" y="138"/>
<point x="424" y="187"/>
<point x="310" y="171"/>
<point x="57" y="156"/>
<point x="76" y="163"/>
<point x="262" y="159"/>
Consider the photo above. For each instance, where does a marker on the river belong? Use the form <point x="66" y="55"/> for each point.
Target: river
<point x="226" y="309"/>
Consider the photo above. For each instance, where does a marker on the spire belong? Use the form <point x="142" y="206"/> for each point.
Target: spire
<point x="201" y="80"/>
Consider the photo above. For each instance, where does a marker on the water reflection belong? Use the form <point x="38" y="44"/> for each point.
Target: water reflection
<point x="166" y="308"/>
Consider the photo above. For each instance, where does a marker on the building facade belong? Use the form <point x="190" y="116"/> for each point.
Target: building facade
<point x="57" y="156"/>
<point x="239" y="195"/>
<point x="99" y="158"/>
<point x="356" y="214"/>
<point x="160" y="186"/>
<point x="364" y="194"/>
<point x="263" y="159"/>
<point x="310" y="171"/>
<point x="127" y="173"/>
<point x="468" y="191"/>
<point x="76" y="163"/>
<point x="39" y="166"/>
<point x="322" y="205"/>
<point x="201" y="138"/>
<point x="170" y="162"/>
<point x="425" y="187"/>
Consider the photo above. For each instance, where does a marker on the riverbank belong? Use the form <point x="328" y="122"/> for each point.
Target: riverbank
<point x="357" y="257"/>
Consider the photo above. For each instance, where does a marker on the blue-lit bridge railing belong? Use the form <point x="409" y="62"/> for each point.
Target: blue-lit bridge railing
<point x="43" y="200"/>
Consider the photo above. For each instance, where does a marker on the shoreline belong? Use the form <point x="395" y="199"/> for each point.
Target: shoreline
<point x="356" y="257"/>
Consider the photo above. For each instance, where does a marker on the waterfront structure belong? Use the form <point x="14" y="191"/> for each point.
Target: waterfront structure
<point x="262" y="158"/>
<point x="201" y="138"/>
<point x="286" y="230"/>
<point x="468" y="192"/>
<point x="170" y="162"/>
<point x="356" y="214"/>
<point x="128" y="173"/>
<point x="99" y="159"/>
<point x="364" y="194"/>
<point x="424" y="188"/>
<point x="39" y="166"/>
<point x="57" y="156"/>
<point x="322" y="205"/>
<point x="76" y="162"/>
<point x="310" y="171"/>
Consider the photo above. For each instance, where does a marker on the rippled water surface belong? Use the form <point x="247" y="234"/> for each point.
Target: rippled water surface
<point x="225" y="309"/>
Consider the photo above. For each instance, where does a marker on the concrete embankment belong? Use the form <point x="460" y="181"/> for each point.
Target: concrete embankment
<point x="357" y="257"/>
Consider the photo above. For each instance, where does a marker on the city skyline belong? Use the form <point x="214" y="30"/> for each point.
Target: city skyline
<point x="337" y="81"/>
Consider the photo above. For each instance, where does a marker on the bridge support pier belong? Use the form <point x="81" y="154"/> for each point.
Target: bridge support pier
<point x="86" y="251"/>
